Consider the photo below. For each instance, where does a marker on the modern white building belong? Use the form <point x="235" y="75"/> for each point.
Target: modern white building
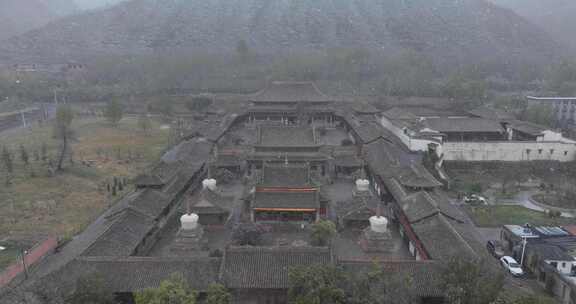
<point x="480" y="135"/>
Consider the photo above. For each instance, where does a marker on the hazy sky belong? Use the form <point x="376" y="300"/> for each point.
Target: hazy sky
<point x="89" y="4"/>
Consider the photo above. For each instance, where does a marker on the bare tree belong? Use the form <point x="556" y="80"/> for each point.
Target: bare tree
<point x="62" y="130"/>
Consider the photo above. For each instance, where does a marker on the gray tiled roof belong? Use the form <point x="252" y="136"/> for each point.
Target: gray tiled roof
<point x="368" y="131"/>
<point x="399" y="113"/>
<point x="286" y="136"/>
<point x="264" y="267"/>
<point x="150" y="202"/>
<point x="392" y="101"/>
<point x="191" y="151"/>
<point x="147" y="180"/>
<point x="549" y="252"/>
<point x="424" y="276"/>
<point x="417" y="176"/>
<point x="364" y="108"/>
<point x="441" y="239"/>
<point x="291" y="200"/>
<point x="468" y="124"/>
<point x="491" y="113"/>
<point x="128" y="274"/>
<point x="122" y="237"/>
<point x="281" y="175"/>
<point x="287" y="91"/>
<point x="527" y="127"/>
<point x="358" y="208"/>
<point x="208" y="202"/>
<point x="423" y="204"/>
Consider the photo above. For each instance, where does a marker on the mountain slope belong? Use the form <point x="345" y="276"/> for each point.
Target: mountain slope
<point x="92" y="4"/>
<point x="451" y="31"/>
<point x="555" y="16"/>
<point x="18" y="16"/>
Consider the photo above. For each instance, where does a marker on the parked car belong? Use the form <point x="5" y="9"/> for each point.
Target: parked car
<point x="510" y="264"/>
<point x="475" y="199"/>
<point x="495" y="249"/>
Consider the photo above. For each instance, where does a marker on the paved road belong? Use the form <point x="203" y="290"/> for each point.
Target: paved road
<point x="524" y="198"/>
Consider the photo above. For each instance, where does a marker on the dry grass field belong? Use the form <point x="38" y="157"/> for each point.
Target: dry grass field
<point x="36" y="203"/>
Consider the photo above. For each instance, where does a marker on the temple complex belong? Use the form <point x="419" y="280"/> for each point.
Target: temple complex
<point x="293" y="157"/>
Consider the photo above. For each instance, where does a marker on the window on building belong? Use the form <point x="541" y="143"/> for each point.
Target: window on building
<point x="551" y="151"/>
<point x="555" y="264"/>
<point x="565" y="153"/>
<point x="528" y="151"/>
<point x="539" y="151"/>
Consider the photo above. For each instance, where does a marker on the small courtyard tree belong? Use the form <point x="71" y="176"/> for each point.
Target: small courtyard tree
<point x="470" y="282"/>
<point x="218" y="294"/>
<point x="316" y="284"/>
<point x="247" y="234"/>
<point x="171" y="291"/>
<point x="90" y="289"/>
<point x="323" y="232"/>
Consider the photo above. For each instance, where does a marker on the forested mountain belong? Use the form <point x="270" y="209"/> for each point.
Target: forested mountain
<point x="20" y="16"/>
<point x="555" y="16"/>
<point x="92" y="4"/>
<point x="448" y="31"/>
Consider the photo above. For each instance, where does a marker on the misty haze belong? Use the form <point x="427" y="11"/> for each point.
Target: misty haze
<point x="287" y="152"/>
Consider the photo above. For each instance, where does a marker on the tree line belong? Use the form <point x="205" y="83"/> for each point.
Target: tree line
<point x="404" y="73"/>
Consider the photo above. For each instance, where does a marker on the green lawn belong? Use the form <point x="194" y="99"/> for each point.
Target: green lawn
<point x="496" y="216"/>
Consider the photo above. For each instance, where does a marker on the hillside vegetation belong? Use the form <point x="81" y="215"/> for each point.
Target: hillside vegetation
<point x="555" y="16"/>
<point x="18" y="16"/>
<point x="450" y="32"/>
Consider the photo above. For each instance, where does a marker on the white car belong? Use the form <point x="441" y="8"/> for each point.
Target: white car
<point x="475" y="199"/>
<point x="510" y="264"/>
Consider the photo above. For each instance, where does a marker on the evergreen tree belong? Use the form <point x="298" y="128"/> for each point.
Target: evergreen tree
<point x="322" y="232"/>
<point x="113" y="112"/>
<point x="470" y="282"/>
<point x="44" y="152"/>
<point x="218" y="294"/>
<point x="144" y="123"/>
<point x="7" y="160"/>
<point x="171" y="291"/>
<point x="90" y="290"/>
<point x="36" y="155"/>
<point x="24" y="155"/>
<point x="317" y="284"/>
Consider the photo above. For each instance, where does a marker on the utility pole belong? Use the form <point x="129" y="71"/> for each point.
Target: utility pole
<point x="523" y="250"/>
<point x="23" y="256"/>
<point x="23" y="118"/>
<point x="55" y="97"/>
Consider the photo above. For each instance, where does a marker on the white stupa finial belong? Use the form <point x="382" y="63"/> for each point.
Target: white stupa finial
<point x="209" y="184"/>
<point x="379" y="224"/>
<point x="189" y="221"/>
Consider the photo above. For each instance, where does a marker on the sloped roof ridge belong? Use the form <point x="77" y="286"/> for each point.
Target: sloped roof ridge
<point x="449" y="225"/>
<point x="126" y="259"/>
